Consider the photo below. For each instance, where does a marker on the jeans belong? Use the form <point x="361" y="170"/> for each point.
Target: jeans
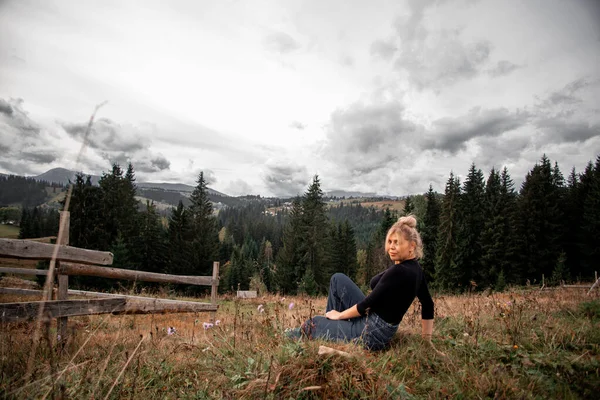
<point x="370" y="330"/>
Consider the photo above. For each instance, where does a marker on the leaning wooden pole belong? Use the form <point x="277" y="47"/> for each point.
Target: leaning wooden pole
<point x="63" y="280"/>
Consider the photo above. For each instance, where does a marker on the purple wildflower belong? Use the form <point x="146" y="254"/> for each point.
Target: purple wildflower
<point x="171" y="331"/>
<point x="291" y="305"/>
<point x="217" y="322"/>
<point x="207" y="325"/>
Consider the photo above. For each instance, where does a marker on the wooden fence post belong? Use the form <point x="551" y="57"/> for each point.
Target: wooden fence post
<point x="215" y="286"/>
<point x="63" y="280"/>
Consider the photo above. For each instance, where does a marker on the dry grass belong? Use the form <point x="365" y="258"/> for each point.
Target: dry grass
<point x="520" y="344"/>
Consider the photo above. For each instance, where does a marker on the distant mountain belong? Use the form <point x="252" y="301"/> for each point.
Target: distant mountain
<point x="63" y="175"/>
<point x="175" y="187"/>
<point x="343" y="193"/>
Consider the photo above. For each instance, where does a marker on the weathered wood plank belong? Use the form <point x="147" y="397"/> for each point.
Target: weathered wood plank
<point x="146" y="305"/>
<point x="118" y="273"/>
<point x="16" y="248"/>
<point x="23" y="271"/>
<point x="135" y="304"/>
<point x="20" y="291"/>
<point x="14" y="312"/>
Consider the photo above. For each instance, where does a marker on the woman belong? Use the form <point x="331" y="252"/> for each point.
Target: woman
<point x="374" y="319"/>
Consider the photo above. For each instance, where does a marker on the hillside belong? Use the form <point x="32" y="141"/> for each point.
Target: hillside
<point x="63" y="176"/>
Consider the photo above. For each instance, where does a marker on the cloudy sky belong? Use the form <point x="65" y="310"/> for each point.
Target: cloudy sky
<point x="376" y="96"/>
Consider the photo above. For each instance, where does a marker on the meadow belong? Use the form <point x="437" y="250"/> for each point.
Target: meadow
<point x="9" y="231"/>
<point x="524" y="343"/>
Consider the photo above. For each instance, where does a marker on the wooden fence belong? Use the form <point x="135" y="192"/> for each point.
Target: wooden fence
<point x="75" y="261"/>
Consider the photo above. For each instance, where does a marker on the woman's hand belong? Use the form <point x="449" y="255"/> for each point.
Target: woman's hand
<point x="333" y="315"/>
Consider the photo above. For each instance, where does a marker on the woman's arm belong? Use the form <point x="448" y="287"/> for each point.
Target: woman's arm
<point x="352" y="312"/>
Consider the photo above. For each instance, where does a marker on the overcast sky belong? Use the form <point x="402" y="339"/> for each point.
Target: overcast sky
<point x="375" y="96"/>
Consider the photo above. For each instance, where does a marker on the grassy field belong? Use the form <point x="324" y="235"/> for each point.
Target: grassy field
<point x="522" y="344"/>
<point x="9" y="231"/>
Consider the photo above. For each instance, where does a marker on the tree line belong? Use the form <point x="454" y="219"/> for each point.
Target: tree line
<point x="28" y="192"/>
<point x="484" y="233"/>
<point x="479" y="233"/>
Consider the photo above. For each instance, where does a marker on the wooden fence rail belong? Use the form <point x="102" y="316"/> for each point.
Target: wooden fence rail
<point x="132" y="275"/>
<point x="16" y="248"/>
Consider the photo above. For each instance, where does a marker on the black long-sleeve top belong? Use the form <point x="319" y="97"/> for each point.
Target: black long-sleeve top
<point x="394" y="291"/>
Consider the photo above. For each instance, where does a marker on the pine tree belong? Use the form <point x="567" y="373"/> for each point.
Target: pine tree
<point x="314" y="229"/>
<point x="541" y="216"/>
<point x="510" y="264"/>
<point x="591" y="223"/>
<point x="25" y="225"/>
<point x="429" y="233"/>
<point x="470" y="228"/>
<point x="86" y="215"/>
<point x="447" y="273"/>
<point x="205" y="238"/>
<point x="408" y="206"/>
<point x="573" y="208"/>
<point x="289" y="256"/>
<point x="348" y="242"/>
<point x="151" y="254"/>
<point x="492" y="235"/>
<point x="180" y="236"/>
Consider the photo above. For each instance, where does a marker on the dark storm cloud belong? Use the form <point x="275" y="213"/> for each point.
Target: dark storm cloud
<point x="568" y="95"/>
<point x="281" y="42"/>
<point x="15" y="120"/>
<point x="161" y="163"/>
<point x="365" y="128"/>
<point x="452" y="134"/>
<point x="108" y="135"/>
<point x="501" y="150"/>
<point x="142" y="161"/>
<point x="285" y="179"/>
<point x="559" y="130"/>
<point x="5" y="107"/>
<point x="39" y="157"/>
<point x="503" y="68"/>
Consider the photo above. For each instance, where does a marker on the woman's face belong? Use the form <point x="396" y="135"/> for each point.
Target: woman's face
<point x="400" y="249"/>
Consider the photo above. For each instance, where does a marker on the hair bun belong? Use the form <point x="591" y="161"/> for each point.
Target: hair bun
<point x="408" y="220"/>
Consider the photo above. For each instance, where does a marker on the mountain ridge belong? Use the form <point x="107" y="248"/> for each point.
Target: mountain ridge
<point x="63" y="176"/>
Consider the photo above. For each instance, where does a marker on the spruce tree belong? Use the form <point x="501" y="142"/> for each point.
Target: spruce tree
<point x="493" y="238"/>
<point x="409" y="207"/>
<point x="314" y="229"/>
<point x="180" y="236"/>
<point x="541" y="214"/>
<point x="429" y="233"/>
<point x="447" y="272"/>
<point x="591" y="224"/>
<point x="510" y="264"/>
<point x="205" y="235"/>
<point x="151" y="249"/>
<point x="470" y="227"/>
<point x="289" y="256"/>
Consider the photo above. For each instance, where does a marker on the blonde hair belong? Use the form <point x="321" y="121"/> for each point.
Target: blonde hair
<point x="407" y="227"/>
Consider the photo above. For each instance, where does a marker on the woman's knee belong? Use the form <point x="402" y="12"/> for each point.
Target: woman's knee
<point x="338" y="276"/>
